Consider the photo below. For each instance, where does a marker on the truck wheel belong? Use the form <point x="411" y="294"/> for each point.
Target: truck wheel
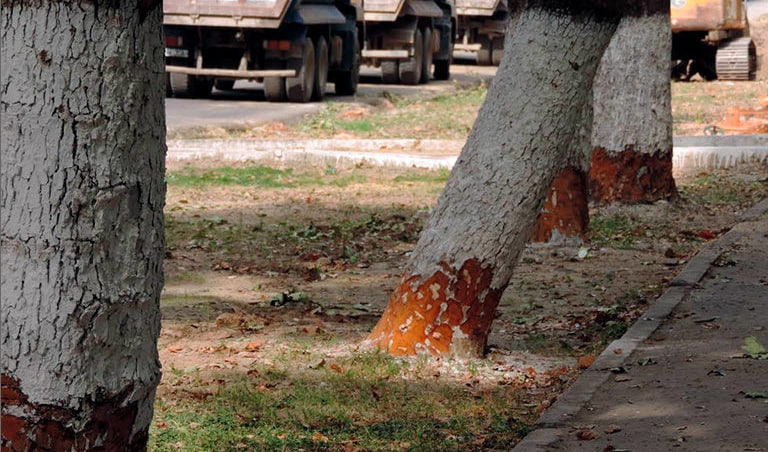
<point x="274" y="89"/>
<point x="484" y="54"/>
<point x="184" y="85"/>
<point x="321" y="69"/>
<point x="429" y="47"/>
<point x="497" y="51"/>
<point x="224" y="84"/>
<point x="442" y="69"/>
<point x="299" y="88"/>
<point x="346" y="82"/>
<point x="390" y="71"/>
<point x="410" y="69"/>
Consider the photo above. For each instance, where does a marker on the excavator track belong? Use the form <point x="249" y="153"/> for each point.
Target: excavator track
<point x="736" y="59"/>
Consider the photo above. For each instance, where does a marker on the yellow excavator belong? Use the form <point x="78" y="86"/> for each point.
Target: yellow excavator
<point x="711" y="38"/>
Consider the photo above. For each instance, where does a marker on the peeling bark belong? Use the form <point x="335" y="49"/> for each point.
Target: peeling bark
<point x="522" y="139"/>
<point x="83" y="152"/>
<point x="566" y="210"/>
<point x="632" y="130"/>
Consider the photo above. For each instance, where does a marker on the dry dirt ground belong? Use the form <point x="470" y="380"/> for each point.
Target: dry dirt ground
<point x="274" y="276"/>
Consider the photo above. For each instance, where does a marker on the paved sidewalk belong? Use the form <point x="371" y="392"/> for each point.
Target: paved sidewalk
<point x="687" y="386"/>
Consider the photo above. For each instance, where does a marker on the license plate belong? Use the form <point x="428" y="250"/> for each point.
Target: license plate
<point x="176" y="53"/>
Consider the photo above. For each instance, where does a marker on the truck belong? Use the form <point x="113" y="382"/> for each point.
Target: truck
<point x="406" y="38"/>
<point x="711" y="38"/>
<point x="295" y="47"/>
<point x="481" y="27"/>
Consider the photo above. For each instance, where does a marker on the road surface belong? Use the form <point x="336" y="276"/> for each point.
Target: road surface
<point x="246" y="104"/>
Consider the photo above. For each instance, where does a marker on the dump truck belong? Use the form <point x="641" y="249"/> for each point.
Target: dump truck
<point x="481" y="26"/>
<point x="711" y="38"/>
<point x="293" y="46"/>
<point x="406" y="38"/>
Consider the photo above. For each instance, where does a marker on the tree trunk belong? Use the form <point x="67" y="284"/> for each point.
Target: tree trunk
<point x="566" y="210"/>
<point x="522" y="138"/>
<point x="632" y="130"/>
<point x="83" y="151"/>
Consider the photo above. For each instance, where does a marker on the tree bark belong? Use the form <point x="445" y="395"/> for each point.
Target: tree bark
<point x="83" y="152"/>
<point x="632" y="130"/>
<point x="523" y="137"/>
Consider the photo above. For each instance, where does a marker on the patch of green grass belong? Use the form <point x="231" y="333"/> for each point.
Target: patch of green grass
<point x="439" y="177"/>
<point x="358" y="402"/>
<point x="184" y="277"/>
<point x="615" y="231"/>
<point x="362" y="125"/>
<point x="717" y="188"/>
<point x="258" y="176"/>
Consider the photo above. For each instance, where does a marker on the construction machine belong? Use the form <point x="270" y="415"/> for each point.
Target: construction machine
<point x="711" y="38"/>
<point x="481" y="27"/>
<point x="407" y="37"/>
<point x="294" y="46"/>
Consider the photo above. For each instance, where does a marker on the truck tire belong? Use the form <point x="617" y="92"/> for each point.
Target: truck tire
<point x="497" y="51"/>
<point x="274" y="89"/>
<point x="484" y="57"/>
<point x="168" y="89"/>
<point x="390" y="71"/>
<point x="321" y="69"/>
<point x="410" y="69"/>
<point x="184" y="85"/>
<point x="426" y="67"/>
<point x="299" y="88"/>
<point x="224" y="84"/>
<point x="442" y="69"/>
<point x="346" y="82"/>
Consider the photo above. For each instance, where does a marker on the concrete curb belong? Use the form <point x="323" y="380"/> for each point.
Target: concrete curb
<point x="689" y="153"/>
<point x="552" y="425"/>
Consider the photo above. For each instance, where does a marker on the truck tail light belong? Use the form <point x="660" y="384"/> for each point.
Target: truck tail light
<point x="273" y="44"/>
<point x="174" y="41"/>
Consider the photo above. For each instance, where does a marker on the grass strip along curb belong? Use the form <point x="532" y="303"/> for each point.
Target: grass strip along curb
<point x="551" y="426"/>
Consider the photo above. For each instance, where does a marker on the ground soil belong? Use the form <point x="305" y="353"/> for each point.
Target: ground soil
<point x="259" y="275"/>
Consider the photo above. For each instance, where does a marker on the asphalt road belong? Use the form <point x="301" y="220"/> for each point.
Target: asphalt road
<point x="246" y="104"/>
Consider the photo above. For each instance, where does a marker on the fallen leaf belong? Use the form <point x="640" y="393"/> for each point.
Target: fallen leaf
<point x="335" y="367"/>
<point x="587" y="435"/>
<point x="618" y="351"/>
<point x="621" y="378"/>
<point x="647" y="362"/>
<point x="317" y="436"/>
<point x="756" y="395"/>
<point x="612" y="429"/>
<point x="619" y="370"/>
<point x="754" y="349"/>
<point x="254" y="346"/>
<point x="194" y="425"/>
<point x="282" y="436"/>
<point x="175" y="348"/>
<point x="586" y="361"/>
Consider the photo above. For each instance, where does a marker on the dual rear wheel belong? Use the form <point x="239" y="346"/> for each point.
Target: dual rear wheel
<point x="418" y="67"/>
<point x="311" y="79"/>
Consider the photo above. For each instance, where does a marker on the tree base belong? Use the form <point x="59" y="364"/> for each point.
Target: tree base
<point x="630" y="176"/>
<point x="566" y="210"/>
<point x="448" y="313"/>
<point x="103" y="425"/>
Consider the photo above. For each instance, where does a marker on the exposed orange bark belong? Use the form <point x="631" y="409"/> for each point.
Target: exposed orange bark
<point x="630" y="176"/>
<point x="449" y="312"/>
<point x="108" y="424"/>
<point x="566" y="210"/>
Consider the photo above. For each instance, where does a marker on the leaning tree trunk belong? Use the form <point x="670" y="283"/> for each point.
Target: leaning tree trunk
<point x="521" y="140"/>
<point x="83" y="151"/>
<point x="632" y="130"/>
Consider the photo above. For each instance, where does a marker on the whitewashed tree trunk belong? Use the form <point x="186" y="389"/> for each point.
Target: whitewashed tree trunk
<point x="632" y="131"/>
<point x="523" y="137"/>
<point x="83" y="149"/>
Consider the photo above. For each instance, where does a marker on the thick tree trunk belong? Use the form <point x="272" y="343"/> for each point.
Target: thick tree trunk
<point x="632" y="130"/>
<point x="83" y="149"/>
<point x="521" y="140"/>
